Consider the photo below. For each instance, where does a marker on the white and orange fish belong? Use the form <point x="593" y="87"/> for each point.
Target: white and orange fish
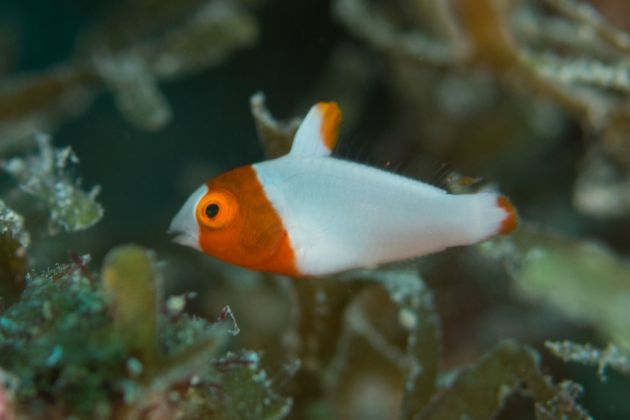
<point x="310" y="214"/>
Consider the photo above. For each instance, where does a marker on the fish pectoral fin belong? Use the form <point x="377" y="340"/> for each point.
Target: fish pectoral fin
<point x="318" y="133"/>
<point x="263" y="241"/>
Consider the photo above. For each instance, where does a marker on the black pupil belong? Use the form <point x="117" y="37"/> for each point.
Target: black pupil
<point x="212" y="210"/>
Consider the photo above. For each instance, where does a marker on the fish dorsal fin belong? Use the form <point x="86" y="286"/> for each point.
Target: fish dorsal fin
<point x="317" y="135"/>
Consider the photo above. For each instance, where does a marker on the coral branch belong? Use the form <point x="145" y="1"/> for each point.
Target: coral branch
<point x="612" y="356"/>
<point x="39" y="101"/>
<point x="45" y="177"/>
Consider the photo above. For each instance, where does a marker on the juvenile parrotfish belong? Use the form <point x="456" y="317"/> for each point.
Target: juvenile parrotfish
<point x="310" y="214"/>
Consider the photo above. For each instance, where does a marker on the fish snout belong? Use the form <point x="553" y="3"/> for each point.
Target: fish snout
<point x="184" y="225"/>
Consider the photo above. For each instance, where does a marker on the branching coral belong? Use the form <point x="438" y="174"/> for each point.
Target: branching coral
<point x="480" y="390"/>
<point x="204" y="35"/>
<point x="573" y="57"/>
<point x="582" y="279"/>
<point x="101" y="347"/>
<point x="611" y="357"/>
<point x="45" y="177"/>
<point x="275" y="136"/>
<point x="491" y="35"/>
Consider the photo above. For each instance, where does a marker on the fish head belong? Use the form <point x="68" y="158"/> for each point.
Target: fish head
<point x="230" y="218"/>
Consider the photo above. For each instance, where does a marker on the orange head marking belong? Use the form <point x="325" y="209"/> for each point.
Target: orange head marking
<point x="331" y="117"/>
<point x="231" y="218"/>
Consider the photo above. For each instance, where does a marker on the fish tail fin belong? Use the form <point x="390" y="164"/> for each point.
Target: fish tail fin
<point x="492" y="214"/>
<point x="509" y="223"/>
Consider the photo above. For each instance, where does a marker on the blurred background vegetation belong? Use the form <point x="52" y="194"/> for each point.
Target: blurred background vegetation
<point x="530" y="97"/>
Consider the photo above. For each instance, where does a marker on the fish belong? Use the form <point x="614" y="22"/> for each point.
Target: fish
<point x="309" y="213"/>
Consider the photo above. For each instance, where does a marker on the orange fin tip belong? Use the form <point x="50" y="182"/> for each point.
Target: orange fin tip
<point x="331" y="117"/>
<point x="510" y="221"/>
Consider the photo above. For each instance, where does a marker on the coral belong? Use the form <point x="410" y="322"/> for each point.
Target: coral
<point x="488" y="34"/>
<point x="416" y="314"/>
<point x="204" y="35"/>
<point x="14" y="241"/>
<point x="45" y="177"/>
<point x="79" y="345"/>
<point x="13" y="226"/>
<point x="582" y="279"/>
<point x="612" y="356"/>
<point x="480" y="390"/>
<point x="572" y="57"/>
<point x="276" y="137"/>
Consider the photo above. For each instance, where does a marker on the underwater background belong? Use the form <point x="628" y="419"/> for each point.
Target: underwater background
<point x="102" y="316"/>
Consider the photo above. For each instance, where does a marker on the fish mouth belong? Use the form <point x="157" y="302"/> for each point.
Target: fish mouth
<point x="175" y="232"/>
<point x="183" y="238"/>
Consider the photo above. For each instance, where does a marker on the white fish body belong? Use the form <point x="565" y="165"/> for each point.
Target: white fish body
<point x="341" y="214"/>
<point x="310" y="214"/>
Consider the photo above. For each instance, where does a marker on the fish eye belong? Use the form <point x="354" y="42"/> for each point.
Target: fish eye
<point x="217" y="209"/>
<point x="212" y="210"/>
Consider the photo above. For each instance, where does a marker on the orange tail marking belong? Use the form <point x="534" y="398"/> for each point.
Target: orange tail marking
<point x="331" y="117"/>
<point x="510" y="222"/>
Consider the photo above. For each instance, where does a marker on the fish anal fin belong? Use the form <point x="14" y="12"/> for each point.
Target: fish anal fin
<point x="319" y="131"/>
